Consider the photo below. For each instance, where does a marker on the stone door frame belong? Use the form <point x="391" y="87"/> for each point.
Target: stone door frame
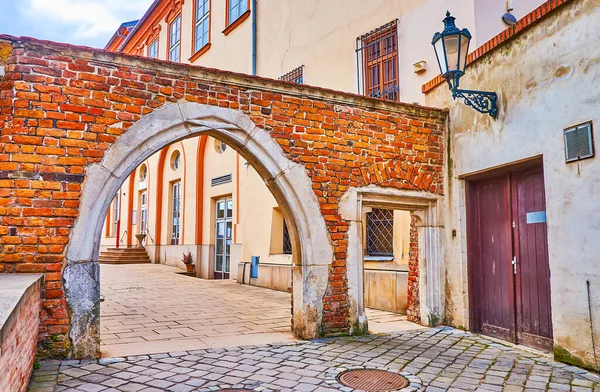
<point x="288" y="182"/>
<point x="427" y="208"/>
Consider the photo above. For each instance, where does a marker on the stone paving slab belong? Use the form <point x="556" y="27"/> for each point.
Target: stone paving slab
<point x="441" y="359"/>
<point x="150" y="308"/>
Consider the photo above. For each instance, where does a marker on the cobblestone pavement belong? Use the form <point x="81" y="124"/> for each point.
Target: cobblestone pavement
<point x="149" y="308"/>
<point x="435" y="359"/>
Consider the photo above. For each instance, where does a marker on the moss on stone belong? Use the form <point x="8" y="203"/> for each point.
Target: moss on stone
<point x="561" y="354"/>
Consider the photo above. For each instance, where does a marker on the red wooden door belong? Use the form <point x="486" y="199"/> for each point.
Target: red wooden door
<point x="509" y="274"/>
<point x="534" y="319"/>
<point x="491" y="278"/>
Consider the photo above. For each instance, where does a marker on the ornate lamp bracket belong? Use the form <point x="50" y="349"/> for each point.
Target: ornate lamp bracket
<point x="482" y="101"/>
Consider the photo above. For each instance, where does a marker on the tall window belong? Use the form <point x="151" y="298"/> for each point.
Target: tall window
<point x="153" y="49"/>
<point x="235" y="9"/>
<point x="175" y="39"/>
<point x="377" y="59"/>
<point x="116" y="208"/>
<point x="143" y="212"/>
<point x="175" y="212"/>
<point x="380" y="232"/>
<point x="201" y="33"/>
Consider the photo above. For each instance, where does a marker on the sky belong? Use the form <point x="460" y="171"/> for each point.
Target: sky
<point x="81" y="22"/>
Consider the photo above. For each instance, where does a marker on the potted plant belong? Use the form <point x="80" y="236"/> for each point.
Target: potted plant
<point x="188" y="260"/>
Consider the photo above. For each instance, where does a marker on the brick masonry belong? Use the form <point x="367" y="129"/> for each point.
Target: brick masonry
<point x="18" y="337"/>
<point x="63" y="106"/>
<point x="413" y="312"/>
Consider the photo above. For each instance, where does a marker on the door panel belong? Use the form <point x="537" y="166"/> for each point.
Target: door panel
<point x="490" y="255"/>
<point x="534" y="323"/>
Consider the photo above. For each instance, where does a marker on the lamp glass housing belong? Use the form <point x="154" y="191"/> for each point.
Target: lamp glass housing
<point x="451" y="49"/>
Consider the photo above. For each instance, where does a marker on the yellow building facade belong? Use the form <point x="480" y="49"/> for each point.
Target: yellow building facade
<point x="198" y="196"/>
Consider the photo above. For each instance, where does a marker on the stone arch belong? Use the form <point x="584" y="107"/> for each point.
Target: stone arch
<point x="288" y="181"/>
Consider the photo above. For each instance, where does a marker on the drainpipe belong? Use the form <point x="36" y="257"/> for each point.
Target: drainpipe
<point x="254" y="37"/>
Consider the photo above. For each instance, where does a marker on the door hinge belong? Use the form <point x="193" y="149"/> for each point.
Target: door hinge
<point x="514" y="263"/>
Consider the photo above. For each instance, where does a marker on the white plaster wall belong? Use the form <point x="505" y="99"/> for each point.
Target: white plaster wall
<point x="488" y="16"/>
<point x="547" y="80"/>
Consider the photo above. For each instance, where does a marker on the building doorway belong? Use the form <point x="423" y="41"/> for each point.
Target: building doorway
<point x="509" y="275"/>
<point x="223" y="238"/>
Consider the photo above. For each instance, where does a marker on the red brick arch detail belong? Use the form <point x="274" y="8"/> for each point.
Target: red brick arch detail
<point x="62" y="107"/>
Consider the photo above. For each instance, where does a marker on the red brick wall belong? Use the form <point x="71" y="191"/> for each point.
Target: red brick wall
<point x="63" y="106"/>
<point x="413" y="312"/>
<point x="18" y="343"/>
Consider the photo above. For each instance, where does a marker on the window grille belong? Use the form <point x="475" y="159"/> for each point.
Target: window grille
<point x="287" y="242"/>
<point x="294" y="76"/>
<point x="380" y="232"/>
<point x="377" y="62"/>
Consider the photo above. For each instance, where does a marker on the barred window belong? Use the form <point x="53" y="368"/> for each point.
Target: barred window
<point x="377" y="61"/>
<point x="294" y="76"/>
<point x="380" y="232"/>
<point x="287" y="242"/>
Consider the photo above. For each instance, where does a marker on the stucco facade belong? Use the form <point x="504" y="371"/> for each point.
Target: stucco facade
<point x="551" y="87"/>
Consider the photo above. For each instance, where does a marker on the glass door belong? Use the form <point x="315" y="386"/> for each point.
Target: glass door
<point x="223" y="238"/>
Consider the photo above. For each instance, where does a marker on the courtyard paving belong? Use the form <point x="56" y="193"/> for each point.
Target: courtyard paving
<point x="433" y="359"/>
<point x="150" y="308"/>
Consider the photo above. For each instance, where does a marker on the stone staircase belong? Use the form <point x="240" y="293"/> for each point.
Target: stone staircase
<point x="124" y="256"/>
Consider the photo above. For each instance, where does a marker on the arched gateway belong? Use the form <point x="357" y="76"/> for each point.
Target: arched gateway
<point x="288" y="181"/>
<point x="76" y="121"/>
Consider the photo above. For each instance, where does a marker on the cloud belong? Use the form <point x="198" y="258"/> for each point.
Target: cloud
<point x="85" y="20"/>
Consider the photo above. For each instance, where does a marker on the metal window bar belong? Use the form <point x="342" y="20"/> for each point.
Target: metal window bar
<point x="287" y="242"/>
<point x="377" y="62"/>
<point x="295" y="76"/>
<point x="380" y="232"/>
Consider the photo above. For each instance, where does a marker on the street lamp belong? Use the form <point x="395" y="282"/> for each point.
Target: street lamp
<point x="452" y="49"/>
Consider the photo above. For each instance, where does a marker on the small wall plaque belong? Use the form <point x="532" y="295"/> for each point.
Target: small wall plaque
<point x="536" y="217"/>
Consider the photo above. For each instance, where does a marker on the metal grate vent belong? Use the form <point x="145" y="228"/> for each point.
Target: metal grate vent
<point x="380" y="232"/>
<point x="220" y="180"/>
<point x="579" y="142"/>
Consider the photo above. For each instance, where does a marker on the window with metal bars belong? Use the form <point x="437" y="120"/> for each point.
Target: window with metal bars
<point x="377" y="62"/>
<point x="380" y="232"/>
<point x="294" y="76"/>
<point x="287" y="242"/>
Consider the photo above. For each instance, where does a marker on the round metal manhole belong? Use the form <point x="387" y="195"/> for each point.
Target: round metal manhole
<point x="234" y="390"/>
<point x="371" y="380"/>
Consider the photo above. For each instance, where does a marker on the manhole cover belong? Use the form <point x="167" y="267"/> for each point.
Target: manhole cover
<point x="234" y="390"/>
<point x="372" y="380"/>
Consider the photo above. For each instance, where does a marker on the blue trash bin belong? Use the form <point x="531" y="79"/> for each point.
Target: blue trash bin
<point x="254" y="267"/>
